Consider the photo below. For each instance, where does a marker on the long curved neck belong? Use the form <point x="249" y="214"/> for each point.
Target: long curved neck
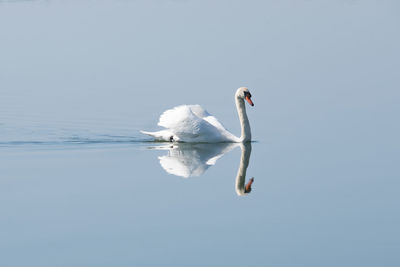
<point x="244" y="121"/>
<point x="241" y="174"/>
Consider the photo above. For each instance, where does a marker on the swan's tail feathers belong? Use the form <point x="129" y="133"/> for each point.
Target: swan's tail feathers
<point x="162" y="135"/>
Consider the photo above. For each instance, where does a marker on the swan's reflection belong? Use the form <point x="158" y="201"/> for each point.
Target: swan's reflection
<point x="187" y="160"/>
<point x="241" y="188"/>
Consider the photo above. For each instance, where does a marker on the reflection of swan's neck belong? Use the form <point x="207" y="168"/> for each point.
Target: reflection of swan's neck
<point x="244" y="163"/>
<point x="244" y="121"/>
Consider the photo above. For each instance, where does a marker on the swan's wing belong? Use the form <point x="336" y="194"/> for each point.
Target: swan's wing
<point x="199" y="111"/>
<point x="202" y="113"/>
<point x="220" y="149"/>
<point x="186" y="125"/>
<point x="188" y="160"/>
<point x="181" y="119"/>
<point x="214" y="121"/>
<point x="171" y="117"/>
<point x="223" y="131"/>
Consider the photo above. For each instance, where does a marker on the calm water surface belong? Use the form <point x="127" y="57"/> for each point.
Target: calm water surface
<point x="80" y="186"/>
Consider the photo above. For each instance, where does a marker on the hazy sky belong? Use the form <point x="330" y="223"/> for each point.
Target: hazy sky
<point x="119" y="60"/>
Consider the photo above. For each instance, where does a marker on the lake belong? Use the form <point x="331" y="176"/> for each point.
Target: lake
<point x="81" y="186"/>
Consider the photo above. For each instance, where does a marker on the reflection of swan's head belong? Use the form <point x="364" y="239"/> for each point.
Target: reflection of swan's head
<point x="247" y="188"/>
<point x="244" y="93"/>
<point x="242" y="188"/>
<point x="187" y="160"/>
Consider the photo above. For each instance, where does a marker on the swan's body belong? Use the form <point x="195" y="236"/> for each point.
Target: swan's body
<point x="193" y="124"/>
<point x="188" y="159"/>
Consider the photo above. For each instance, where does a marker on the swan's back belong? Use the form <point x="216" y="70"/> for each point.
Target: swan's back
<point x="184" y="113"/>
<point x="192" y="123"/>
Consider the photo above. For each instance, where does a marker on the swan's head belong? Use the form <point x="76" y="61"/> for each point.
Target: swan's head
<point x="244" y="93"/>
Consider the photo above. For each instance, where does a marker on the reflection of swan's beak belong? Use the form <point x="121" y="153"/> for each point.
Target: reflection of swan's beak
<point x="242" y="188"/>
<point x="247" y="188"/>
<point x="250" y="101"/>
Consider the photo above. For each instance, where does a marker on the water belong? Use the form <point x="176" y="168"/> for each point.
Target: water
<point x="80" y="186"/>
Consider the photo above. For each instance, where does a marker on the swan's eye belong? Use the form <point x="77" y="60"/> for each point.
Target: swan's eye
<point x="247" y="94"/>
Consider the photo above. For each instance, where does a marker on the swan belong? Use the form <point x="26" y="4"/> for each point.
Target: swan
<point x="193" y="159"/>
<point x="240" y="186"/>
<point x="189" y="160"/>
<point x="193" y="124"/>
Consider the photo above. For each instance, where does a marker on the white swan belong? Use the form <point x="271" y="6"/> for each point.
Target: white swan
<point x="242" y="188"/>
<point x="188" y="160"/>
<point x="193" y="124"/>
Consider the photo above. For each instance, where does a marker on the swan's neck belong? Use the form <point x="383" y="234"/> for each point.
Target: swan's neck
<point x="244" y="163"/>
<point x="244" y="121"/>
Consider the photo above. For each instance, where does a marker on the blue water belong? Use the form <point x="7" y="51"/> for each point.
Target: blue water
<point x="80" y="186"/>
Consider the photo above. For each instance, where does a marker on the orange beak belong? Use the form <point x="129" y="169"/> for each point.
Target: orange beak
<point x="247" y="188"/>
<point x="249" y="100"/>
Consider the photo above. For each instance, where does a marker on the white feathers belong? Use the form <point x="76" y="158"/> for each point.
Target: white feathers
<point x="189" y="160"/>
<point x="183" y="120"/>
<point x="193" y="124"/>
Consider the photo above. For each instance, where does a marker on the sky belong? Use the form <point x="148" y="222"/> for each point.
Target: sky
<point x="68" y="63"/>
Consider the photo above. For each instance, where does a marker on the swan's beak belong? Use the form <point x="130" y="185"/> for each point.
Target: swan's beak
<point x="247" y="188"/>
<point x="249" y="100"/>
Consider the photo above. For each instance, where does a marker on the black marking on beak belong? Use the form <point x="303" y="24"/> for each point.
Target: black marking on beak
<point x="247" y="94"/>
